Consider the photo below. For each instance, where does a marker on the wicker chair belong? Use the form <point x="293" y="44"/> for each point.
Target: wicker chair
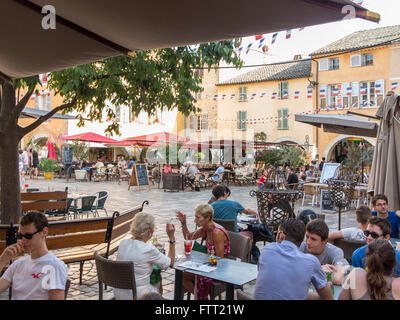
<point x="116" y="274"/>
<point x="309" y="190"/>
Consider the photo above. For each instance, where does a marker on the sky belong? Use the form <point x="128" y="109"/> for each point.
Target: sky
<point x="312" y="38"/>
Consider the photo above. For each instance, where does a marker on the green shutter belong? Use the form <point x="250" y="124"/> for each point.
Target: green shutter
<point x="285" y="121"/>
<point x="279" y="119"/>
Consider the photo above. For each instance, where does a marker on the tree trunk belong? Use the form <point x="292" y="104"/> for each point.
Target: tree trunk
<point x="9" y="180"/>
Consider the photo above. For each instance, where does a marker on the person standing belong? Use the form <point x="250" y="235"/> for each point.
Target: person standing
<point x="321" y="164"/>
<point x="277" y="277"/>
<point x="35" y="162"/>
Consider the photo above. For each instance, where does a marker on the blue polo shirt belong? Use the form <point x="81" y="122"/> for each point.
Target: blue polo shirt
<point x="227" y="210"/>
<point x="219" y="170"/>
<point x="358" y="259"/>
<point x="394" y="223"/>
<point x="285" y="273"/>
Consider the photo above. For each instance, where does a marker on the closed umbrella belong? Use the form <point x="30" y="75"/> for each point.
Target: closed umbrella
<point x="385" y="171"/>
<point x="51" y="149"/>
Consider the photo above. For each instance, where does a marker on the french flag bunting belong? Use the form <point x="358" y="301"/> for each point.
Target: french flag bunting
<point x="232" y="95"/>
<point x="258" y="37"/>
<point x="288" y="34"/>
<point x="296" y="94"/>
<point x="240" y="50"/>
<point x="253" y="95"/>
<point x="309" y="93"/>
<point x="215" y="97"/>
<point x="335" y="92"/>
<point x="273" y="95"/>
<point x="274" y="36"/>
<point x="349" y="90"/>
<point x="262" y="95"/>
<point x="285" y="95"/>
<point x="223" y="96"/>
<point x="394" y="85"/>
<point x="322" y="93"/>
<point x="363" y="90"/>
<point x="33" y="96"/>
<point x="261" y="42"/>
<point x="378" y="88"/>
<point x="248" y="47"/>
<point x="301" y="29"/>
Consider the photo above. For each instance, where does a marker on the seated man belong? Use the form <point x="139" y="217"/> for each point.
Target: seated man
<point x="330" y="257"/>
<point x="131" y="162"/>
<point x="292" y="178"/>
<point x="191" y="172"/>
<point x="363" y="214"/>
<point x="378" y="228"/>
<point x="219" y="170"/>
<point x="39" y="275"/>
<point x="380" y="205"/>
<point x="277" y="277"/>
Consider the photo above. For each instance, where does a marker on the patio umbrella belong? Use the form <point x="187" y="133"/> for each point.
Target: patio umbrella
<point x="159" y="138"/>
<point x="50" y="148"/>
<point x="87" y="31"/>
<point x="89" y="137"/>
<point x="385" y="171"/>
<point x="126" y="143"/>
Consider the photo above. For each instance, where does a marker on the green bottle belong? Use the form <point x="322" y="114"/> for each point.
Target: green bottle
<point x="329" y="279"/>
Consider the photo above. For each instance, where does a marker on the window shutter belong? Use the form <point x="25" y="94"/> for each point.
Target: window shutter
<point x="355" y="60"/>
<point x="280" y="119"/>
<point x="355" y="89"/>
<point x="344" y="89"/>
<point x="244" y="117"/>
<point x="191" y="122"/>
<point x="286" y="89"/>
<point x="380" y="82"/>
<point x="48" y="101"/>
<point x="204" y="122"/>
<point x="285" y="120"/>
<point x="323" y="64"/>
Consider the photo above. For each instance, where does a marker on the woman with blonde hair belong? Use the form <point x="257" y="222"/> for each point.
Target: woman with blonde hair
<point x="144" y="255"/>
<point x="217" y="242"/>
<point x="376" y="282"/>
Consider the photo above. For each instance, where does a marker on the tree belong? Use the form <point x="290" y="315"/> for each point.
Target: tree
<point x="80" y="150"/>
<point x="157" y="79"/>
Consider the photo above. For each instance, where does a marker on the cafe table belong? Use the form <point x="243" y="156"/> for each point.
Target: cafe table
<point x="231" y="272"/>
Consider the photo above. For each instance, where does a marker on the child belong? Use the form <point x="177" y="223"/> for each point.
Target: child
<point x="262" y="179"/>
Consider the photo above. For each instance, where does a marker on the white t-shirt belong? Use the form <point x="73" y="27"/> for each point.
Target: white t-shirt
<point x="353" y="234"/>
<point x="31" y="279"/>
<point x="143" y="255"/>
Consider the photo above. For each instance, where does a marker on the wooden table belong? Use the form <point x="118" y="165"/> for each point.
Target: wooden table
<point x="231" y="272"/>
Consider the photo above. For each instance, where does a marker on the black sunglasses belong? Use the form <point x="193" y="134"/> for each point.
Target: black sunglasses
<point x="27" y="236"/>
<point x="374" y="235"/>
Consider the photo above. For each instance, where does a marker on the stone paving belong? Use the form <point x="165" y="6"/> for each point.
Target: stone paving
<point x="162" y="205"/>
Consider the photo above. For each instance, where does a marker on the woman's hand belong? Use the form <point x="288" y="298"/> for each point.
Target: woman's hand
<point x="170" y="229"/>
<point x="181" y="216"/>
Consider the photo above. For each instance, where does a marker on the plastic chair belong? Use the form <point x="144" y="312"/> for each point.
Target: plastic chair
<point x="116" y="274"/>
<point x="100" y="201"/>
<point x="86" y="206"/>
<point x="229" y="225"/>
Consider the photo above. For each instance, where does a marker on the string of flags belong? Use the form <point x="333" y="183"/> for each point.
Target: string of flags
<point x="260" y="95"/>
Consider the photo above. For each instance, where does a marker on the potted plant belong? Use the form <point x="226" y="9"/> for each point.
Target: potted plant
<point x="48" y="166"/>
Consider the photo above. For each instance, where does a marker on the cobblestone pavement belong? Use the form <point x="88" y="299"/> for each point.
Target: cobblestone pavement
<point x="162" y="205"/>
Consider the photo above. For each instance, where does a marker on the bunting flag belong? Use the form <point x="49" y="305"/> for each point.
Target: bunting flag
<point x="335" y="92"/>
<point x="253" y="96"/>
<point x="288" y="34"/>
<point x="309" y="93"/>
<point x="258" y="37"/>
<point x="240" y="50"/>
<point x="394" y="85"/>
<point x="296" y="94"/>
<point x="285" y="95"/>
<point x="349" y="91"/>
<point x="322" y="93"/>
<point x="232" y="95"/>
<point x="248" y="47"/>
<point x="33" y="96"/>
<point x="262" y="94"/>
<point x="363" y="89"/>
<point x="223" y="96"/>
<point x="301" y="29"/>
<point x="378" y="88"/>
<point x="215" y="97"/>
<point x="261" y="43"/>
<point x="274" y="95"/>
<point x="274" y="36"/>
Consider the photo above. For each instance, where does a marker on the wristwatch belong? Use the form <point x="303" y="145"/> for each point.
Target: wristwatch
<point x="171" y="241"/>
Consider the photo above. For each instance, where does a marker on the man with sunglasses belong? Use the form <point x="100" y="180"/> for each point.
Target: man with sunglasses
<point x="38" y="276"/>
<point x="380" y="205"/>
<point x="378" y="228"/>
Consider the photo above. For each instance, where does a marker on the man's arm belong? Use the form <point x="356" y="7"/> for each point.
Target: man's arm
<point x="4" y="285"/>
<point x="249" y="211"/>
<point x="322" y="294"/>
<point x="56" y="294"/>
<point x="335" y="235"/>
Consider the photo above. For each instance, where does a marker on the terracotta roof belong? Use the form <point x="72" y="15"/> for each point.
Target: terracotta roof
<point x="363" y="39"/>
<point x="273" y="72"/>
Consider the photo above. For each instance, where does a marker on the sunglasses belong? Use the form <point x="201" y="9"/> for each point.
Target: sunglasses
<point x="27" y="236"/>
<point x="374" y="235"/>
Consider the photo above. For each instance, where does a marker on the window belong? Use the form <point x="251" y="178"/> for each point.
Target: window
<point x="358" y="60"/>
<point x="334" y="96"/>
<point x="355" y="60"/>
<point x="328" y="64"/>
<point x="47" y="101"/>
<point x="371" y="93"/>
<point x="283" y="90"/>
<point x="334" y="64"/>
<point x="39" y="101"/>
<point x="367" y="59"/>
<point x="323" y="91"/>
<point x="118" y="113"/>
<point x="198" y="122"/>
<point x="242" y="117"/>
<point x="283" y="121"/>
<point x="242" y="94"/>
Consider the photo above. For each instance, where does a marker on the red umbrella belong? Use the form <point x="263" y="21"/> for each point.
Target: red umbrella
<point x="89" y="137"/>
<point x="160" y="138"/>
<point x="50" y="148"/>
<point x="125" y="143"/>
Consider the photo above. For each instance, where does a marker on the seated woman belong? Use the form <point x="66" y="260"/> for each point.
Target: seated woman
<point x="144" y="255"/>
<point x="217" y="242"/>
<point x="377" y="283"/>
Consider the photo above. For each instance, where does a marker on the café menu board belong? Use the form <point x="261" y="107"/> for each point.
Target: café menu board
<point x="329" y="170"/>
<point x="326" y="202"/>
<point x="139" y="177"/>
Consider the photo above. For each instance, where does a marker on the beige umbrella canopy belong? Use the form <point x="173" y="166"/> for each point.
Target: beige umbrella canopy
<point x="87" y="31"/>
<point x="385" y="171"/>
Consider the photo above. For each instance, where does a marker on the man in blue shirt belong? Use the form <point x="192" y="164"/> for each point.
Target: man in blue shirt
<point x="286" y="273"/>
<point x="380" y="204"/>
<point x="219" y="170"/>
<point x="378" y="228"/>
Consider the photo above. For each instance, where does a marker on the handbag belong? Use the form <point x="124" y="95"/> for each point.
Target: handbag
<point x="200" y="247"/>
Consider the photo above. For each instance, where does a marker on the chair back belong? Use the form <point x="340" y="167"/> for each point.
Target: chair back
<point x="87" y="202"/>
<point x="102" y="197"/>
<point x="229" y="225"/>
<point x="348" y="247"/>
<point x="241" y="295"/>
<point x="240" y="246"/>
<point x="116" y="274"/>
<point x="308" y="189"/>
<point x="67" y="285"/>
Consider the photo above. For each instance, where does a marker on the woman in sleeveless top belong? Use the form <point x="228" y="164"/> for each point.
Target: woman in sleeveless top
<point x="217" y="241"/>
<point x="376" y="282"/>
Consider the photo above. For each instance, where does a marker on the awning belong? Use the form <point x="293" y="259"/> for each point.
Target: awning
<point x="340" y="123"/>
<point x="36" y="113"/>
<point x="88" y="31"/>
<point x="89" y="137"/>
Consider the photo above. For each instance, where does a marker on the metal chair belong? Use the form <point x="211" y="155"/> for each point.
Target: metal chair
<point x="229" y="225"/>
<point x="116" y="274"/>
<point x="86" y="206"/>
<point x="101" y="174"/>
<point x="101" y="198"/>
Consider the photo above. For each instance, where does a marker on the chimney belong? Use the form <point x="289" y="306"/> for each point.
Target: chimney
<point x="297" y="57"/>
